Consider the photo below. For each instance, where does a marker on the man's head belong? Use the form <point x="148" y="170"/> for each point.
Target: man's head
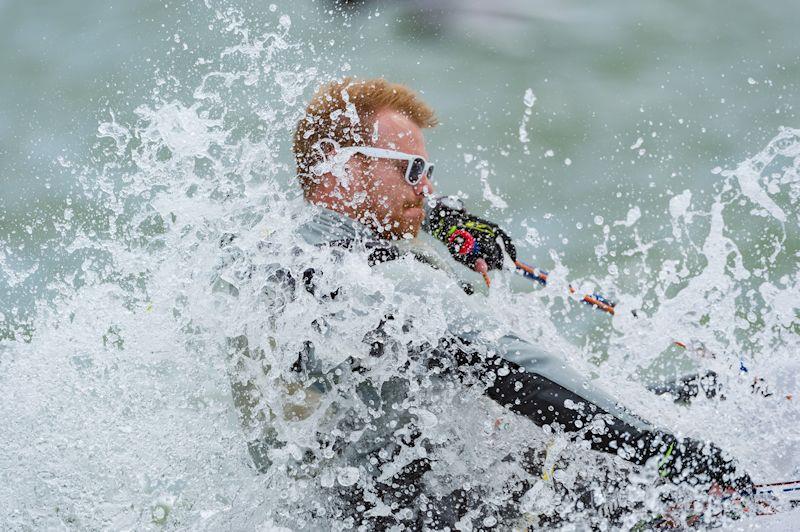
<point x="374" y="190"/>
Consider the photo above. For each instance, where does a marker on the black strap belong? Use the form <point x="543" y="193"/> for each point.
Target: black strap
<point x="378" y="251"/>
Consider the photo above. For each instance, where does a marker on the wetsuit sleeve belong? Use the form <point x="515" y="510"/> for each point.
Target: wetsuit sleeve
<point x="533" y="384"/>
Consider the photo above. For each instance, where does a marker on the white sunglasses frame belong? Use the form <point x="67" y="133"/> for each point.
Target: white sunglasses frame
<point x="381" y="153"/>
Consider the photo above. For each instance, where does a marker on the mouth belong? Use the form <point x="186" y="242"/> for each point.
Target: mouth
<point x="415" y="212"/>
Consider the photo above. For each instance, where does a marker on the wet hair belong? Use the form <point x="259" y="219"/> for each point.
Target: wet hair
<point x="344" y="111"/>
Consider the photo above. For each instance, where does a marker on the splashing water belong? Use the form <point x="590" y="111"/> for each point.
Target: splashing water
<point x="124" y="407"/>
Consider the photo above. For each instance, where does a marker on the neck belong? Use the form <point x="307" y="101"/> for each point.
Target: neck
<point x="360" y="215"/>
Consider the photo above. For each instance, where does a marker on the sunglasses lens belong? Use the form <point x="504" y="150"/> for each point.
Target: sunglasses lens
<point x="415" y="172"/>
<point x="430" y="172"/>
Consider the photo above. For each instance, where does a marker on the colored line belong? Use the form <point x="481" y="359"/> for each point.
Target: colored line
<point x="778" y="484"/>
<point x="596" y="300"/>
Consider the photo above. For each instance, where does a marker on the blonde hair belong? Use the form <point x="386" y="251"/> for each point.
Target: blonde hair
<point x="344" y="111"/>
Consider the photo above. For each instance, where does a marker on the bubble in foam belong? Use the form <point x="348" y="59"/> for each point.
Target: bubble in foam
<point x="347" y="476"/>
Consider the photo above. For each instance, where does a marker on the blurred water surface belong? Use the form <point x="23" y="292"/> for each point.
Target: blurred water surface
<point x="700" y="84"/>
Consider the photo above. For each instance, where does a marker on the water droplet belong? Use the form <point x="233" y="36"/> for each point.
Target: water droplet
<point x="347" y="476"/>
<point x="529" y="99"/>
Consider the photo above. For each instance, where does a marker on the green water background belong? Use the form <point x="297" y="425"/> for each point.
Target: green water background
<point x="702" y="84"/>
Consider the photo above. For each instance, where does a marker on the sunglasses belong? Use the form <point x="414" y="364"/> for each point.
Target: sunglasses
<point x="416" y="166"/>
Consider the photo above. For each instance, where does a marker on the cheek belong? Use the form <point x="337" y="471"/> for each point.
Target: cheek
<point x="390" y="172"/>
<point x="385" y="190"/>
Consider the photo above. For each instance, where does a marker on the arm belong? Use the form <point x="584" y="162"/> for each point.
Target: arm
<point x="534" y="384"/>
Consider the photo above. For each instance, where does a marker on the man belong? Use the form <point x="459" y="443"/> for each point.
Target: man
<point x="364" y="169"/>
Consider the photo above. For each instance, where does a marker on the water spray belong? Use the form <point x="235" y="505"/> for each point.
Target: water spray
<point x="603" y="304"/>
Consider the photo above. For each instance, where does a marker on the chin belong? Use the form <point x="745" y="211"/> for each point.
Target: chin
<point x="413" y="220"/>
<point x="406" y="229"/>
<point x="411" y="232"/>
<point x="405" y="226"/>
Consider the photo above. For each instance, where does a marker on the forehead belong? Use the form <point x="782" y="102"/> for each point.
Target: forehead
<point x="394" y="131"/>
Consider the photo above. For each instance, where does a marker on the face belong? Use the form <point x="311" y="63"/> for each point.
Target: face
<point x="387" y="203"/>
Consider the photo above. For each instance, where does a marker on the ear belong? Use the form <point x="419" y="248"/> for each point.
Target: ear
<point x="326" y="148"/>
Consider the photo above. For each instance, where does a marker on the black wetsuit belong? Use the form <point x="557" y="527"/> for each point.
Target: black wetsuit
<point x="536" y="387"/>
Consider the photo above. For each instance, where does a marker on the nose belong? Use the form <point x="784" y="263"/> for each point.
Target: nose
<point x="424" y="187"/>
